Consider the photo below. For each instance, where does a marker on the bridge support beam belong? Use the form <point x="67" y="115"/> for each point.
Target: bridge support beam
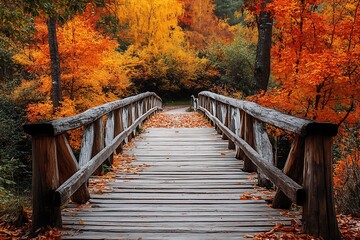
<point x="319" y="217"/>
<point x="45" y="181"/>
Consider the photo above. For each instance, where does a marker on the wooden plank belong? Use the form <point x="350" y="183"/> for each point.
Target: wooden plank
<point x="94" y="235"/>
<point x="175" y="216"/>
<point x="254" y="220"/>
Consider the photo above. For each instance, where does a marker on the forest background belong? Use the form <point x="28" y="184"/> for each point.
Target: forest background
<point x="59" y="58"/>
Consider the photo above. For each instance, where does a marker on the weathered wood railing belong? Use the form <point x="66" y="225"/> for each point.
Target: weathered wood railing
<point x="307" y="176"/>
<point x="194" y="103"/>
<point x="57" y="174"/>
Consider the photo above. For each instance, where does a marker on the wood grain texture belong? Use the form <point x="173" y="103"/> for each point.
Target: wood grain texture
<point x="67" y="166"/>
<point x="44" y="182"/>
<point x="62" y="125"/>
<point x="66" y="190"/>
<point x="287" y="122"/>
<point x="319" y="209"/>
<point x="291" y="189"/>
<point x="191" y="193"/>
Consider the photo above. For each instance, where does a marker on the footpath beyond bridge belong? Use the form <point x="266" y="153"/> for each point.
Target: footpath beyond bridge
<point x="192" y="185"/>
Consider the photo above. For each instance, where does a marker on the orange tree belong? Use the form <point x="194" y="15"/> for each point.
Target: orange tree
<point x="316" y="67"/>
<point x="92" y="71"/>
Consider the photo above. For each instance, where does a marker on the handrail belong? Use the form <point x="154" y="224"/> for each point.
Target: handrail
<point x="307" y="176"/>
<point x="278" y="119"/>
<point x="57" y="174"/>
<point x="56" y="127"/>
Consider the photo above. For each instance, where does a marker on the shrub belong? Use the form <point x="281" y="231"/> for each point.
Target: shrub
<point x="347" y="170"/>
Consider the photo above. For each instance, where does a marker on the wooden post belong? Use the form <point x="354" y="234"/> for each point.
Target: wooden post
<point x="45" y="180"/>
<point x="247" y="133"/>
<point x="67" y="165"/>
<point x="99" y="141"/>
<point x="231" y="111"/>
<point x="109" y="133"/>
<point x="294" y="168"/>
<point x="225" y="119"/>
<point x="139" y="111"/>
<point x="118" y="126"/>
<point x="133" y="113"/>
<point x="130" y="120"/>
<point x="240" y="133"/>
<point x="264" y="148"/>
<point x="218" y="115"/>
<point x="86" y="145"/>
<point x="319" y="218"/>
<point x="125" y="120"/>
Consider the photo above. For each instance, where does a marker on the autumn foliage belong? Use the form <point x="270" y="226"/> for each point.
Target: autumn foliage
<point x="316" y="74"/>
<point x="179" y="47"/>
<point x="91" y="70"/>
<point x="316" y="59"/>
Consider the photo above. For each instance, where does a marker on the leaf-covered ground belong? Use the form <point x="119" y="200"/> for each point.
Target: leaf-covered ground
<point x="180" y="120"/>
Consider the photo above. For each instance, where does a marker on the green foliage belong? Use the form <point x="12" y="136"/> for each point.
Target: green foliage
<point x="226" y="9"/>
<point x="62" y="10"/>
<point x="347" y="170"/>
<point x="16" y="29"/>
<point x="111" y="26"/>
<point x="14" y="150"/>
<point x="12" y="207"/>
<point x="235" y="64"/>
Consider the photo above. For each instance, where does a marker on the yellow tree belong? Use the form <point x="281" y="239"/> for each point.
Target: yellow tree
<point x="167" y="63"/>
<point x="202" y="26"/>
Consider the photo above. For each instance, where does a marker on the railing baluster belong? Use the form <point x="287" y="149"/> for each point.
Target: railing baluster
<point x="133" y="116"/>
<point x="264" y="148"/>
<point x="109" y="133"/>
<point x="237" y="129"/>
<point x="86" y="145"/>
<point x="231" y="113"/>
<point x="99" y="140"/>
<point x="247" y="133"/>
<point x="218" y="115"/>
<point x="224" y="118"/>
<point x="139" y="110"/>
<point x="125" y="120"/>
<point x="130" y="120"/>
<point x="118" y="126"/>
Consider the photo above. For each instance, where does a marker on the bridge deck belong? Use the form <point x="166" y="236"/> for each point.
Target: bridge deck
<point x="190" y="189"/>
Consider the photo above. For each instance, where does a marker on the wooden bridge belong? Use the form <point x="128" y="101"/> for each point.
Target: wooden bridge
<point x="192" y="186"/>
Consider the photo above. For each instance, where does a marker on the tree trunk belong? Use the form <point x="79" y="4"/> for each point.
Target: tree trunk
<point x="262" y="63"/>
<point x="55" y="62"/>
